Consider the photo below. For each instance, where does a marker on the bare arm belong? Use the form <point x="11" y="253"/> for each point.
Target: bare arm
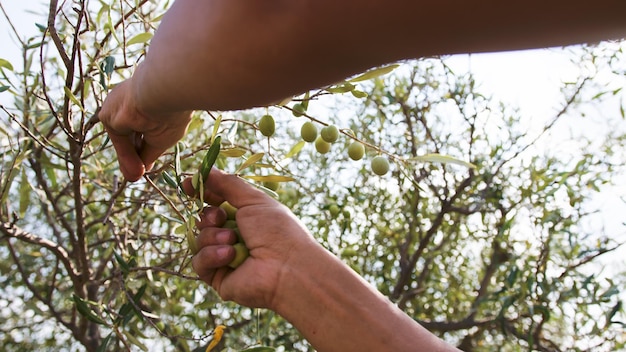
<point x="251" y="53"/>
<point x="292" y="274"/>
<point x="236" y="54"/>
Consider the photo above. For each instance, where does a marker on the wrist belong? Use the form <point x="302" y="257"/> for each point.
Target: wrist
<point x="150" y="100"/>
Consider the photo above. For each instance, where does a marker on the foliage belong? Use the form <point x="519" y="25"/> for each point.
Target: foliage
<point x="477" y="232"/>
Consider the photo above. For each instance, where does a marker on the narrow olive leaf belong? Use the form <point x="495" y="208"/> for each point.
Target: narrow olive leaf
<point x="191" y="236"/>
<point x="105" y="343"/>
<point x="83" y="308"/>
<point x="305" y="100"/>
<point x="178" y="170"/>
<point x="377" y="72"/>
<point x="132" y="339"/>
<point x="169" y="179"/>
<point x="108" y="66"/>
<point x="139" y="38"/>
<point x="196" y="122"/>
<point x="4" y="88"/>
<point x="123" y="263"/>
<point x="253" y="159"/>
<point x="444" y="159"/>
<point x="270" y="178"/>
<point x="25" y="190"/>
<point x="73" y="98"/>
<point x="235" y="152"/>
<point x="284" y="101"/>
<point x="210" y="157"/>
<point x="359" y="94"/>
<point x="267" y="191"/>
<point x="216" y="127"/>
<point x="259" y="349"/>
<point x="6" y="64"/>
<point x="344" y="87"/>
<point x="295" y="149"/>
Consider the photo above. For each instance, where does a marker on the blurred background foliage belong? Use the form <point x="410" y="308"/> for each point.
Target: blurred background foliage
<point x="498" y="256"/>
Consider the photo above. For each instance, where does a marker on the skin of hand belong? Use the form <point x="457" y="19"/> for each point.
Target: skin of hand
<point x="290" y="273"/>
<point x="263" y="222"/>
<point x="139" y="138"/>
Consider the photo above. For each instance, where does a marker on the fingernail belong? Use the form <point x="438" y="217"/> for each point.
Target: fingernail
<point x="223" y="236"/>
<point x="222" y="252"/>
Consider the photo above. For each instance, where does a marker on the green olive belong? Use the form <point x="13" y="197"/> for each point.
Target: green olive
<point x="298" y="110"/>
<point x="330" y="134"/>
<point x="230" y="224"/>
<point x="322" y="146"/>
<point x="267" y="126"/>
<point x="356" y="150"/>
<point x="241" y="253"/>
<point x="271" y="185"/>
<point x="308" y="132"/>
<point x="229" y="209"/>
<point x="380" y="165"/>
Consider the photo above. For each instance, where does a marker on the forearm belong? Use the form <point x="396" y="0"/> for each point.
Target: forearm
<point x="233" y="54"/>
<point x="336" y="310"/>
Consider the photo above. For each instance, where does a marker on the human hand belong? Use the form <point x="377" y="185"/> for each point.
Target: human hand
<point x="138" y="138"/>
<point x="271" y="232"/>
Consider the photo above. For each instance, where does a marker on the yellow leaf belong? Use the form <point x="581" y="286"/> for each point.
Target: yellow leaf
<point x="73" y="98"/>
<point x="139" y="39"/>
<point x="216" y="127"/>
<point x="270" y="178"/>
<point x="233" y="152"/>
<point x="295" y="150"/>
<point x="444" y="159"/>
<point x="218" y="332"/>
<point x="253" y="159"/>
<point x="374" y="73"/>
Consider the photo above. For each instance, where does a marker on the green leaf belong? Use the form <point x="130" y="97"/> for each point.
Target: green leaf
<point x="216" y="127"/>
<point x="344" y="87"/>
<point x="123" y="263"/>
<point x="4" y="88"/>
<point x="6" y="64"/>
<point x="233" y="152"/>
<point x="377" y="72"/>
<point x="443" y="159"/>
<point x="210" y="157"/>
<point x="253" y="159"/>
<point x="169" y="179"/>
<point x="140" y="38"/>
<point x="270" y="178"/>
<point x="85" y="310"/>
<point x="105" y="343"/>
<point x="13" y="172"/>
<point x="259" y="349"/>
<point x="108" y="65"/>
<point x="295" y="149"/>
<point x="25" y="190"/>
<point x="359" y="94"/>
<point x="133" y="340"/>
<point x="73" y="98"/>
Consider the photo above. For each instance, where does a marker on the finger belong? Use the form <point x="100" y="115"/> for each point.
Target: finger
<point x="215" y="236"/>
<point x="149" y="154"/>
<point x="210" y="258"/>
<point x="221" y="186"/>
<point x="130" y="164"/>
<point x="212" y="217"/>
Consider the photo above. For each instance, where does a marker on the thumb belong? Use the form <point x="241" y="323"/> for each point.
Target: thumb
<point x="220" y="187"/>
<point x="130" y="164"/>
